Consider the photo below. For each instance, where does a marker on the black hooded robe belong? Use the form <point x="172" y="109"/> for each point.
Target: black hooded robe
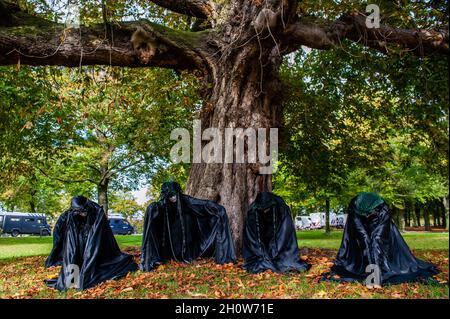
<point x="184" y="230"/>
<point x="55" y="257"/>
<point x="269" y="240"/>
<point x="87" y="242"/>
<point x="371" y="238"/>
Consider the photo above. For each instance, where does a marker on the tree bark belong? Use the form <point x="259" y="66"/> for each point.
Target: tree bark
<point x="446" y="203"/>
<point x="32" y="207"/>
<point x="395" y="216"/>
<point x="426" y="216"/>
<point x="33" y="40"/>
<point x="408" y="214"/>
<point x="437" y="213"/>
<point x="417" y="212"/>
<point x="293" y="212"/>
<point x="102" y="190"/>
<point x="442" y="214"/>
<point x="245" y="95"/>
<point x="414" y="218"/>
<point x="102" y="187"/>
<point x="327" y="216"/>
<point x="401" y="220"/>
<point x="33" y="200"/>
<point x="195" y="8"/>
<point x="433" y="212"/>
<point x="352" y="26"/>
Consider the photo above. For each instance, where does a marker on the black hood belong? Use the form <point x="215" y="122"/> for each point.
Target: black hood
<point x="371" y="238"/>
<point x="83" y="237"/>
<point x="169" y="189"/>
<point x="79" y="203"/>
<point x="185" y="230"/>
<point x="365" y="204"/>
<point x="266" y="200"/>
<point x="269" y="240"/>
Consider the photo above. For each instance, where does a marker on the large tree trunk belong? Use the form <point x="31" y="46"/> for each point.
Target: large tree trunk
<point x="245" y="95"/>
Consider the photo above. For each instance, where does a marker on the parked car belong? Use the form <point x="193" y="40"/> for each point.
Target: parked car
<point x="120" y="226"/>
<point x="24" y="223"/>
<point x="317" y="221"/>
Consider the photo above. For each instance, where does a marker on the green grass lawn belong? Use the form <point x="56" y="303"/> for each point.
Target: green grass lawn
<point x="36" y="246"/>
<point x="415" y="240"/>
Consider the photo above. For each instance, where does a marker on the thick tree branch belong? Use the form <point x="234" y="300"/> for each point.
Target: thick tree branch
<point x="114" y="170"/>
<point x="7" y="13"/>
<point x="319" y="35"/>
<point x="94" y="168"/>
<point x="36" y="41"/>
<point x="202" y="9"/>
<point x="67" y="181"/>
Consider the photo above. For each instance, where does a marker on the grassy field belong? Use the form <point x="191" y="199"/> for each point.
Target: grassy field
<point x="415" y="240"/>
<point x="22" y="274"/>
<point x="37" y="246"/>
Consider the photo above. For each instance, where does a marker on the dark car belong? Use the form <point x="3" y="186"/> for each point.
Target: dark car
<point x="24" y="223"/>
<point x="120" y="226"/>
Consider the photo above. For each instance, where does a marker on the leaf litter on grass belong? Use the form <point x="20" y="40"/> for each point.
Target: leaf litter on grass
<point x="24" y="278"/>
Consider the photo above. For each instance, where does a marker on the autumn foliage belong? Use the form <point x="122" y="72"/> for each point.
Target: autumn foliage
<point x="24" y="277"/>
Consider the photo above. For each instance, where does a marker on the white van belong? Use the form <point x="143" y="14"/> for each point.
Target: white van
<point x="302" y="222"/>
<point x="317" y="220"/>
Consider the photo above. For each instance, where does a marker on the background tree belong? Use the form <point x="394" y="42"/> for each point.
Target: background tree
<point x="30" y="135"/>
<point x="102" y="136"/>
<point x="122" y="121"/>
<point x="352" y="124"/>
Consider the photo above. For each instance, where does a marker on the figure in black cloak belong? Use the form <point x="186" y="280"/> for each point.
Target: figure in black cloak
<point x="83" y="243"/>
<point x="182" y="228"/>
<point x="270" y="241"/>
<point x="373" y="249"/>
